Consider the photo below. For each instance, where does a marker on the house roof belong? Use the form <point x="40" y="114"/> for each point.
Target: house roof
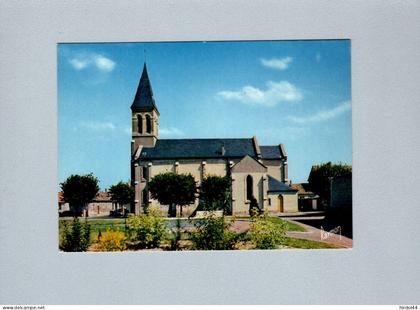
<point x="144" y="100"/>
<point x="101" y="196"/>
<point x="199" y="148"/>
<point x="60" y="197"/>
<point x="271" y="152"/>
<point x="275" y="185"/>
<point x="302" y="188"/>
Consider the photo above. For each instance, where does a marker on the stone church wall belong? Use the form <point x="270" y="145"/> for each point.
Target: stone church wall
<point x="196" y="167"/>
<point x="274" y="168"/>
<point x="240" y="204"/>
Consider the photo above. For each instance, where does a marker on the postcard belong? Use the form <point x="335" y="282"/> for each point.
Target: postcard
<point x="182" y="146"/>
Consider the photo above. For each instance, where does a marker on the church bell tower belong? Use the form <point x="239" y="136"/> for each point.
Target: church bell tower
<point x="144" y="115"/>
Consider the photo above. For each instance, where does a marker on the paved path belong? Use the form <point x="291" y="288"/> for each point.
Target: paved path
<point x="319" y="235"/>
<point x="298" y="214"/>
<point x="311" y="233"/>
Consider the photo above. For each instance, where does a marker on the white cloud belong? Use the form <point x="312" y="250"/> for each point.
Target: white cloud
<point x="277" y="63"/>
<point x="103" y="63"/>
<point x="323" y="115"/>
<point x="78" y="64"/>
<point x="100" y="62"/>
<point x="275" y="93"/>
<point x="170" y="132"/>
<point x="98" y="126"/>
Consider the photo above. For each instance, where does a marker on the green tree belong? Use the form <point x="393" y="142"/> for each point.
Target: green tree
<point x="215" y="193"/>
<point x="79" y="190"/>
<point x="122" y="193"/>
<point x="173" y="189"/>
<point x="321" y="175"/>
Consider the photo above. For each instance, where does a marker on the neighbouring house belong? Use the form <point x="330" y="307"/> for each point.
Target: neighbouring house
<point x="258" y="171"/>
<point x="100" y="205"/>
<point x="307" y="200"/>
<point x="61" y="203"/>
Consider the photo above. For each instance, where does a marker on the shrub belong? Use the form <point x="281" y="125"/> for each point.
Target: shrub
<point x="266" y="234"/>
<point x="213" y="234"/>
<point x="254" y="212"/>
<point x="147" y="230"/>
<point x="75" y="236"/>
<point x="254" y="208"/>
<point x="111" y="240"/>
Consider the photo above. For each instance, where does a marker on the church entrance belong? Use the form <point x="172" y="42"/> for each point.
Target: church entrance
<point x="280" y="203"/>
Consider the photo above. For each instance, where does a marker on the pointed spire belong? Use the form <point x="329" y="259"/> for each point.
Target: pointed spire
<point x="144" y="101"/>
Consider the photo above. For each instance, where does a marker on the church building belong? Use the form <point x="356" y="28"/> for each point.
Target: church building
<point x="255" y="170"/>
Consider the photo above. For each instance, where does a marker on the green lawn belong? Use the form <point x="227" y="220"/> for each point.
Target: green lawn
<point x="97" y="225"/>
<point x="98" y="222"/>
<point x="306" y="244"/>
<point x="290" y="226"/>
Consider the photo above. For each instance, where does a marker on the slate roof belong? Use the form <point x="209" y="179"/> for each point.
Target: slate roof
<point x="144" y="101"/>
<point x="270" y="152"/>
<point x="275" y="185"/>
<point x="198" y="148"/>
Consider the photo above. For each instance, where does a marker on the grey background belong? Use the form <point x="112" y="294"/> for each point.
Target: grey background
<point x="384" y="265"/>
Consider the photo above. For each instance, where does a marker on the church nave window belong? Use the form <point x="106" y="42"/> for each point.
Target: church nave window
<point x="249" y="189"/>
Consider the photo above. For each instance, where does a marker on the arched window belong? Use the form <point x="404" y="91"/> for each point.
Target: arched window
<point x="139" y="124"/>
<point x="249" y="187"/>
<point x="148" y="124"/>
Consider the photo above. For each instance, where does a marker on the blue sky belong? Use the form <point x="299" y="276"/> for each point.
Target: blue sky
<point x="293" y="92"/>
